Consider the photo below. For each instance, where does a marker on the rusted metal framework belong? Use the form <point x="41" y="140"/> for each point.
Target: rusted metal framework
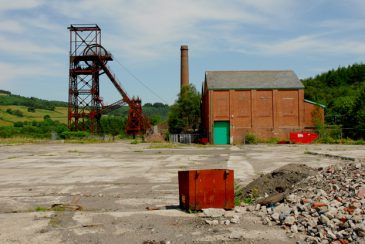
<point x="88" y="61"/>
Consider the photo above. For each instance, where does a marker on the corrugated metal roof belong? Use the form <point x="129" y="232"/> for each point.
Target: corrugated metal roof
<point x="259" y="79"/>
<point x="314" y="103"/>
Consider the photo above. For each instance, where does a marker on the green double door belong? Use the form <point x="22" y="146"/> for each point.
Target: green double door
<point x="221" y="132"/>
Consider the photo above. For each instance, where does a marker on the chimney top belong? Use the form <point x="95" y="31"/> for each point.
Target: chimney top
<point x="184" y="47"/>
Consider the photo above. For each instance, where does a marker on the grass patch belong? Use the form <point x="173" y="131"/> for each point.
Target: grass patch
<point x="58" y="208"/>
<point x="40" y="209"/>
<point x="162" y="145"/>
<point x="251" y="139"/>
<point x="6" y="119"/>
<point x="239" y="196"/>
<point x="190" y="211"/>
<point x="252" y="197"/>
<point x="237" y="201"/>
<point x="26" y="140"/>
<point x="22" y="140"/>
<point x="85" y="141"/>
<point x="272" y="140"/>
<point x="343" y="141"/>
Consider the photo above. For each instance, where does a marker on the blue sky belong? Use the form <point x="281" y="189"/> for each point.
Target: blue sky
<point x="309" y="37"/>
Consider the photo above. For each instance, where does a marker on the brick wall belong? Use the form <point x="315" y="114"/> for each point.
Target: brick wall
<point x="265" y="113"/>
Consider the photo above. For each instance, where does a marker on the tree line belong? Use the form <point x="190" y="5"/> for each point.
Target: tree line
<point x="342" y="91"/>
<point x="156" y="112"/>
<point x="31" y="102"/>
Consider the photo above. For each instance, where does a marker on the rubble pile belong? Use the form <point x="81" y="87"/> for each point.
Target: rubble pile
<point x="214" y="216"/>
<point x="328" y="207"/>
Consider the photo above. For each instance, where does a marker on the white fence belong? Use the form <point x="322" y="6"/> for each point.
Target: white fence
<point x="184" y="138"/>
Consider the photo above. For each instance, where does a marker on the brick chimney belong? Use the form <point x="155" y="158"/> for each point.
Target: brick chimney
<point x="184" y="70"/>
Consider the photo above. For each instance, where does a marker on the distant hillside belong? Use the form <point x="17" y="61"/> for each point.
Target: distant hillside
<point x="342" y="91"/>
<point x="6" y="98"/>
<point x="15" y="108"/>
<point x="10" y="114"/>
<point x="157" y="111"/>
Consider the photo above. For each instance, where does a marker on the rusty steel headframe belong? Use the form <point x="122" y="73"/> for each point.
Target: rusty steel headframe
<point x="88" y="61"/>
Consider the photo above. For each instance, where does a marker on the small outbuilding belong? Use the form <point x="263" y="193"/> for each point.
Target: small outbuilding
<point x="268" y="104"/>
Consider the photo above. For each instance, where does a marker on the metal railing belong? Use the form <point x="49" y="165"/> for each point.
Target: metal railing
<point x="184" y="138"/>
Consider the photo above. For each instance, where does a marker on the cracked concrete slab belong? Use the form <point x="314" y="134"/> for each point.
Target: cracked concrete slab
<point x="115" y="183"/>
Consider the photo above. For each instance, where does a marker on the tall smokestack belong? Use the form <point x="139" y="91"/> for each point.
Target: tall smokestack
<point x="184" y="71"/>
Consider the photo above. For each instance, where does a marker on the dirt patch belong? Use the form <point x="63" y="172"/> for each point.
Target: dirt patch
<point x="278" y="181"/>
<point x="155" y="138"/>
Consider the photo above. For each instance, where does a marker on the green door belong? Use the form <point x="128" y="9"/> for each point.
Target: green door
<point x="221" y="132"/>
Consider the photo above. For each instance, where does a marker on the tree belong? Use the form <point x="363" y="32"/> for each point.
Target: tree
<point x="184" y="115"/>
<point x="155" y="119"/>
<point x="159" y="105"/>
<point x="342" y="92"/>
<point x="358" y="118"/>
<point x="113" y="125"/>
<point x="147" y="105"/>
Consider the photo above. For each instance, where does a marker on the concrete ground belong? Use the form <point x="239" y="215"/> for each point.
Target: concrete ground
<point x="116" y="183"/>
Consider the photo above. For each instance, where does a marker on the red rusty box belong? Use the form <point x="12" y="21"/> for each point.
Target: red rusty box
<point x="212" y="188"/>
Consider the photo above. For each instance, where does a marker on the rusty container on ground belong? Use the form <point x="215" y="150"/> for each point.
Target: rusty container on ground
<point x="303" y="137"/>
<point x="211" y="188"/>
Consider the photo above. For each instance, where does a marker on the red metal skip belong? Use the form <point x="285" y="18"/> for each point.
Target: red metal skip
<point x="303" y="137"/>
<point x="213" y="188"/>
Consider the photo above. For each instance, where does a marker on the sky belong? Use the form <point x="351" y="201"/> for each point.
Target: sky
<point x="144" y="36"/>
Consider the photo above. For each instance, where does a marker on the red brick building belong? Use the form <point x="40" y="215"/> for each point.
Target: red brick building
<point x="269" y="104"/>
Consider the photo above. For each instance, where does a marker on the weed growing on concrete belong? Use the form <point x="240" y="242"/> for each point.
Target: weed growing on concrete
<point x="272" y="140"/>
<point x="250" y="199"/>
<point x="21" y="140"/>
<point x="40" y="209"/>
<point x="58" y="208"/>
<point x="162" y="145"/>
<point x="237" y="201"/>
<point x="251" y="139"/>
<point x="190" y="211"/>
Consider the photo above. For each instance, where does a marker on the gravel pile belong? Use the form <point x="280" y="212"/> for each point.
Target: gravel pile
<point x="216" y="216"/>
<point x="328" y="207"/>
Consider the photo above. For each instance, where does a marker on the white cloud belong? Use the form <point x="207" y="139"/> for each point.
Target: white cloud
<point x="311" y="44"/>
<point x="343" y="25"/>
<point x="28" y="24"/>
<point x="20" y="4"/>
<point x="11" y="26"/>
<point x="27" y="48"/>
<point x="42" y="22"/>
<point x="10" y="71"/>
<point x="356" y="5"/>
<point x="151" y="29"/>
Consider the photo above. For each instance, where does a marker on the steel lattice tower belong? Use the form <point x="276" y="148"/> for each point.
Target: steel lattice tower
<point x="88" y="61"/>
